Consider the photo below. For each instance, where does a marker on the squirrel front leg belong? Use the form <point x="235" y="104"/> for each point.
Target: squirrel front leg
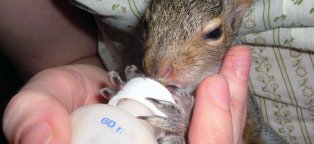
<point x="257" y="131"/>
<point x="178" y="116"/>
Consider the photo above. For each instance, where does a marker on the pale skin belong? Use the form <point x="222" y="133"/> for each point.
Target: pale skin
<point x="70" y="75"/>
<point x="219" y="114"/>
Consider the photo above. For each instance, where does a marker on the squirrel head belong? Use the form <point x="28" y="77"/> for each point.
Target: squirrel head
<point x="185" y="40"/>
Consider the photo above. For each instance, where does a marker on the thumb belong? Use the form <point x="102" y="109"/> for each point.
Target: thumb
<point x="39" y="113"/>
<point x="212" y="120"/>
<point x="32" y="118"/>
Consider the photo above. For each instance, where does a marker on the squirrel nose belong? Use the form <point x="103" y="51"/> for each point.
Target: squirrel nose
<point x="161" y="72"/>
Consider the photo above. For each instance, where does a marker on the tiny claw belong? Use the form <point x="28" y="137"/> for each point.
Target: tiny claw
<point x="115" y="79"/>
<point x="173" y="89"/>
<point x="166" y="107"/>
<point x="143" y="117"/>
<point x="132" y="71"/>
<point x="153" y="100"/>
<point x="107" y="93"/>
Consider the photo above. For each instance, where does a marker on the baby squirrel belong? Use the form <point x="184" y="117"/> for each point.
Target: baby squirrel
<point x="185" y="41"/>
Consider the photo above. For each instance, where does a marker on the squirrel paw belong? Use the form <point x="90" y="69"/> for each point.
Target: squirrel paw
<point x="171" y="140"/>
<point x="132" y="71"/>
<point x="174" y="122"/>
<point x="116" y="81"/>
<point x="178" y="115"/>
<point x="116" y="84"/>
<point x="107" y="92"/>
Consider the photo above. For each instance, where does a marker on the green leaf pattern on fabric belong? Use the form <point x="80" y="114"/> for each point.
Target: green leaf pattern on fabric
<point x="269" y="86"/>
<point x="312" y="11"/>
<point x="297" y="2"/>
<point x="280" y="18"/>
<point x="282" y="73"/>
<point x="249" y="22"/>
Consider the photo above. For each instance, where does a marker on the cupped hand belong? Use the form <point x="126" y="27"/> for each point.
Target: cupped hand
<point x="219" y="114"/>
<point x="39" y="112"/>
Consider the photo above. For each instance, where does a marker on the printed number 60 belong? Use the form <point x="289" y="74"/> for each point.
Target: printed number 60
<point x="108" y="122"/>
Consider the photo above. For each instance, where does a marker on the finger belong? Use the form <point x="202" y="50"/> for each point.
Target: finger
<point x="236" y="68"/>
<point x="211" y="122"/>
<point x="33" y="118"/>
<point x="40" y="111"/>
<point x="72" y="85"/>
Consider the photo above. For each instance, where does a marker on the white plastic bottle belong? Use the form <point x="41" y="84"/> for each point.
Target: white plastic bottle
<point x="116" y="123"/>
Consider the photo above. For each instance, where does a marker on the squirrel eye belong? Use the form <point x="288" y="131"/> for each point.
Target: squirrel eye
<point x="213" y="35"/>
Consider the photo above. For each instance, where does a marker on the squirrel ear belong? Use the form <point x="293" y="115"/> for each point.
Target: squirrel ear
<point x="240" y="7"/>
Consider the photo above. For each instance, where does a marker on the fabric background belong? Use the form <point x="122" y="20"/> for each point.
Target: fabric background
<point x="281" y="35"/>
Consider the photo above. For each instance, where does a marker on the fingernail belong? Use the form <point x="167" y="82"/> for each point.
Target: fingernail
<point x="242" y="62"/>
<point x="218" y="89"/>
<point x="38" y="133"/>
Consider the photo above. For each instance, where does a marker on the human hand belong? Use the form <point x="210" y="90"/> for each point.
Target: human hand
<point x="39" y="112"/>
<point x="219" y="114"/>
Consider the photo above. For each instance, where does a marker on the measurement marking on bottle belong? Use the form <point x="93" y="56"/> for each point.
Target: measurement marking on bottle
<point x="112" y="124"/>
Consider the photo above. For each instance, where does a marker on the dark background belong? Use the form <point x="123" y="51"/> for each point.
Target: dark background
<point x="9" y="84"/>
